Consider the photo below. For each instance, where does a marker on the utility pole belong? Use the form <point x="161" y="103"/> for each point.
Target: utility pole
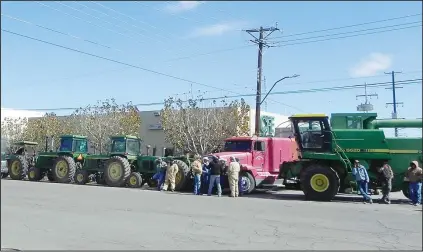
<point x="261" y="42"/>
<point x="366" y="106"/>
<point x="265" y="90"/>
<point x="394" y="102"/>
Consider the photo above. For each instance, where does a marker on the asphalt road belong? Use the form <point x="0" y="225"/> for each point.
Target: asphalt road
<point x="59" y="216"/>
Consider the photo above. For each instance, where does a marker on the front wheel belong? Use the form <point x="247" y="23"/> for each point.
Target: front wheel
<point x="248" y="183"/>
<point x="320" y="183"/>
<point x="34" y="174"/>
<point x="134" y="180"/>
<point x="81" y="177"/>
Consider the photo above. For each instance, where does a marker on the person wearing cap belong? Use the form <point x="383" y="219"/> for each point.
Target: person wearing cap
<point x="205" y="175"/>
<point x="197" y="170"/>
<point x="171" y="172"/>
<point x="216" y="169"/>
<point x="386" y="176"/>
<point x="233" y="176"/>
<point x="414" y="176"/>
<point x="362" y="178"/>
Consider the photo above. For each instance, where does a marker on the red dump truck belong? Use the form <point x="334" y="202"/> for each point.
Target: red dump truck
<point x="260" y="158"/>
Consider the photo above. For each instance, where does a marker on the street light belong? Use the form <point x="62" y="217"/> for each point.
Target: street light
<point x="257" y="119"/>
<point x="286" y="77"/>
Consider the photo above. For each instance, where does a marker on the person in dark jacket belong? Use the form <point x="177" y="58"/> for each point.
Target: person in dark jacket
<point x="205" y="176"/>
<point x="386" y="176"/>
<point x="216" y="169"/>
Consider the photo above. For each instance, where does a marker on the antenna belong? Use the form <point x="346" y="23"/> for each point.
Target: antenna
<point x="366" y="106"/>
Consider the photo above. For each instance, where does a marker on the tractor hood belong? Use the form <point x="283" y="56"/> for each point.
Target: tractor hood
<point x="244" y="157"/>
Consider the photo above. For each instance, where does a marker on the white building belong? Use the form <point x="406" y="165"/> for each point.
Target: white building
<point x="152" y="133"/>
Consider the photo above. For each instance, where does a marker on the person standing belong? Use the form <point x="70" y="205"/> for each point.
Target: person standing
<point x="216" y="169"/>
<point x="171" y="172"/>
<point x="414" y="176"/>
<point x="205" y="175"/>
<point x="197" y="170"/>
<point x="233" y="176"/>
<point x="362" y="179"/>
<point x="161" y="167"/>
<point x="387" y="176"/>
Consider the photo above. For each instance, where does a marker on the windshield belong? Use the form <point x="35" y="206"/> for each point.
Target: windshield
<point x="238" y="146"/>
<point x="133" y="147"/>
<point x="81" y="145"/>
<point x="118" y="145"/>
<point x="66" y="144"/>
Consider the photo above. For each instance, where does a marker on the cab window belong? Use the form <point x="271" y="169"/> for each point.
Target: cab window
<point x="259" y="146"/>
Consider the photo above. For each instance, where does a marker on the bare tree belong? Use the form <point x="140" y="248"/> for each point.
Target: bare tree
<point x="199" y="126"/>
<point x="98" y="122"/>
<point x="13" y="130"/>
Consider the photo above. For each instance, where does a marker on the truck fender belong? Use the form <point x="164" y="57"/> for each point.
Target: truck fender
<point x="249" y="168"/>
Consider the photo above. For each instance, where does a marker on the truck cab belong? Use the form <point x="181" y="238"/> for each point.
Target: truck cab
<point x="259" y="157"/>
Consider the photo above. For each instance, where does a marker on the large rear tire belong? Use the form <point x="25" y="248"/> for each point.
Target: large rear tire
<point x="320" y="183"/>
<point x="64" y="169"/>
<point x="182" y="180"/>
<point x="34" y="174"/>
<point x="18" y="167"/>
<point x="117" y="171"/>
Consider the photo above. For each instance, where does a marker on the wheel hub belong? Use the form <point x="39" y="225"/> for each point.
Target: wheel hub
<point x="245" y="184"/>
<point x="133" y="180"/>
<point x="15" y="167"/>
<point x="319" y="182"/>
<point x="62" y="169"/>
<point x="80" y="177"/>
<point x="115" y="171"/>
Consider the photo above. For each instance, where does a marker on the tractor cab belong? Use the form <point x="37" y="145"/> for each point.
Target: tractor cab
<point x="73" y="144"/>
<point x="24" y="148"/>
<point x="125" y="146"/>
<point x="312" y="132"/>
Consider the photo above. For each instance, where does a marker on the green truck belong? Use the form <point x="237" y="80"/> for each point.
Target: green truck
<point x="326" y="152"/>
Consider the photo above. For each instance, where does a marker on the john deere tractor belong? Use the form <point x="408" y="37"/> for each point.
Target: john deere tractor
<point x="61" y="166"/>
<point x="20" y="160"/>
<point x="125" y="165"/>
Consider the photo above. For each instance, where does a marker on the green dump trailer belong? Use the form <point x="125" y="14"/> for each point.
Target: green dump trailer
<point x="326" y="152"/>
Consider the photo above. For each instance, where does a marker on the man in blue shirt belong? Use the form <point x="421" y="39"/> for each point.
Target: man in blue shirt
<point x="362" y="178"/>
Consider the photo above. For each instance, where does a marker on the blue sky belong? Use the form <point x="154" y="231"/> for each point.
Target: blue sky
<point x="153" y="34"/>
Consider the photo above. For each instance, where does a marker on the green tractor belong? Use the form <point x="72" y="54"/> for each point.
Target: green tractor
<point x="326" y="152"/>
<point x="125" y="165"/>
<point x="61" y="166"/>
<point x="21" y="160"/>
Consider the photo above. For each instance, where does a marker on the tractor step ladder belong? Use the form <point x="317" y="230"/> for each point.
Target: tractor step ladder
<point x="341" y="154"/>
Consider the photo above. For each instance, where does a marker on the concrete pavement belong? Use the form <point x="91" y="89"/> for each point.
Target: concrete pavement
<point x="59" y="216"/>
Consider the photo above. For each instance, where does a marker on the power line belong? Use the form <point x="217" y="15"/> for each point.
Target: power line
<point x="341" y="33"/>
<point x="328" y="89"/>
<point x="129" y="65"/>
<point x="349" y="26"/>
<point x="356" y="35"/>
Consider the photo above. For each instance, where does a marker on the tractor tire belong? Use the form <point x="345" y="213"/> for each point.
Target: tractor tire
<point x="64" y="173"/>
<point x="134" y="180"/>
<point x="117" y="165"/>
<point x="152" y="183"/>
<point x="99" y="179"/>
<point x="182" y="180"/>
<point x="81" y="177"/>
<point x="406" y="189"/>
<point x="18" y="167"/>
<point x="50" y="176"/>
<point x="4" y="175"/>
<point x="248" y="183"/>
<point x="34" y="174"/>
<point x="320" y="183"/>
